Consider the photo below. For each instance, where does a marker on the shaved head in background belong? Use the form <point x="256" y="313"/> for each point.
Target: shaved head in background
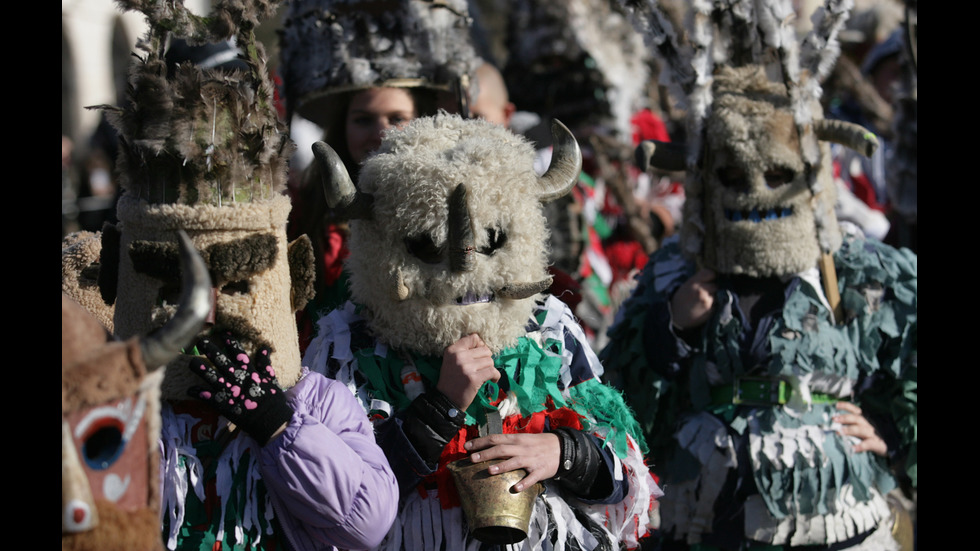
<point x="492" y="101"/>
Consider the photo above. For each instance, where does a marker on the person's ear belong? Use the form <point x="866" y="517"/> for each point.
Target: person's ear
<point x="509" y="110"/>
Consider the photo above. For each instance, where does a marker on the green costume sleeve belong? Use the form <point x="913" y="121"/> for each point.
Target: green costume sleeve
<point x="879" y="291"/>
<point x="640" y="358"/>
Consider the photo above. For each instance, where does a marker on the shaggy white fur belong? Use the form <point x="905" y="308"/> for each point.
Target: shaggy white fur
<point x="414" y="304"/>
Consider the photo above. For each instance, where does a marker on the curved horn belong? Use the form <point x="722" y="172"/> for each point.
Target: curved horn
<point x="847" y="134"/>
<point x="461" y="241"/>
<point x="164" y="344"/>
<point x="519" y="291"/>
<point x="662" y="155"/>
<point x="566" y="164"/>
<point x="337" y="185"/>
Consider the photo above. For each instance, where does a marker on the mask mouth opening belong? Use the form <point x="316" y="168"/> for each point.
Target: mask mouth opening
<point x="474" y="298"/>
<point x="757" y="214"/>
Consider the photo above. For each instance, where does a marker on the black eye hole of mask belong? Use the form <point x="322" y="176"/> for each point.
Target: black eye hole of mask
<point x="779" y="176"/>
<point x="423" y="248"/>
<point x="169" y="293"/>
<point x="733" y="178"/>
<point x="497" y="239"/>
<point x="103" y="444"/>
<point x="240" y="287"/>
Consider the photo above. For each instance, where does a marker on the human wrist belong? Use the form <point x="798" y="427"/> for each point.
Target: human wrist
<point x="566" y="453"/>
<point x="447" y="407"/>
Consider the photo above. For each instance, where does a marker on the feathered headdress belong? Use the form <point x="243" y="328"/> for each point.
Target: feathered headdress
<point x="204" y="150"/>
<point x="201" y="136"/>
<point x="332" y="46"/>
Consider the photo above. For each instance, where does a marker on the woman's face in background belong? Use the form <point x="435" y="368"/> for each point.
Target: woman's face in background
<point x="373" y="111"/>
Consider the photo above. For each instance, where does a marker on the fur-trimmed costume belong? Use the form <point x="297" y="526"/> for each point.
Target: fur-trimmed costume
<point x="110" y="422"/>
<point x="110" y="425"/>
<point x="256" y="452"/>
<point x="333" y="50"/>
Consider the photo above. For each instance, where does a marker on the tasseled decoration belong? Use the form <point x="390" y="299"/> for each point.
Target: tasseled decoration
<point x="741" y="31"/>
<point x="811" y="483"/>
<point x="702" y="64"/>
<point x="330" y="46"/>
<point x="860" y="517"/>
<point x="180" y="468"/>
<point x="659" y="34"/>
<point x="543" y="389"/>
<point x="554" y="526"/>
<point x="689" y="509"/>
<point x="738" y="33"/>
<point x="242" y="500"/>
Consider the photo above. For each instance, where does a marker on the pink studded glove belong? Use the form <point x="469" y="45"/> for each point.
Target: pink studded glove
<point x="241" y="388"/>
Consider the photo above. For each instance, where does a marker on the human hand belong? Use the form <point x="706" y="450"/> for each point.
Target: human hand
<point x="538" y="454"/>
<point x="854" y="424"/>
<point x="691" y="304"/>
<point x="466" y="365"/>
<point x="245" y="391"/>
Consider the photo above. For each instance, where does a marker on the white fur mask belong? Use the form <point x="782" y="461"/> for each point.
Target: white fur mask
<point x="425" y="285"/>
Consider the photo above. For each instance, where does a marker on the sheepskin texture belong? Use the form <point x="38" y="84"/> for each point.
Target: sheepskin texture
<point x="79" y="274"/>
<point x="261" y="314"/>
<point x="411" y="178"/>
<point x="748" y="226"/>
<point x="94" y="367"/>
<point x="749" y="34"/>
<point x="302" y="272"/>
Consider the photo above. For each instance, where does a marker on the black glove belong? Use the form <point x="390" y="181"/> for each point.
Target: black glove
<point x="245" y="391"/>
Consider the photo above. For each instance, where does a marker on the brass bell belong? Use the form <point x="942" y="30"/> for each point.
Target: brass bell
<point x="495" y="514"/>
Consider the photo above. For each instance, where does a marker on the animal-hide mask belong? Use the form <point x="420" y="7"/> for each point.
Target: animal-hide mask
<point x="451" y="238"/>
<point x="757" y="205"/>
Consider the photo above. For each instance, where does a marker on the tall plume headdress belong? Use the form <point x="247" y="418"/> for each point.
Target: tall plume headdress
<point x="200" y="136"/>
<point x="579" y="61"/>
<point x="736" y="35"/>
<point x="203" y="150"/>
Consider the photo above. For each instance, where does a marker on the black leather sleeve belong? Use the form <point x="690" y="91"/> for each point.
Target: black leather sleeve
<point x="583" y="469"/>
<point x="431" y="421"/>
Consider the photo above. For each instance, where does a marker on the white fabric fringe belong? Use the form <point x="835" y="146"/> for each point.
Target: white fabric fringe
<point x="181" y="471"/>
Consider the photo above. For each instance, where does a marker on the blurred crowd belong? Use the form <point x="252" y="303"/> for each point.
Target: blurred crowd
<point x="583" y="63"/>
<point x="617" y="215"/>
